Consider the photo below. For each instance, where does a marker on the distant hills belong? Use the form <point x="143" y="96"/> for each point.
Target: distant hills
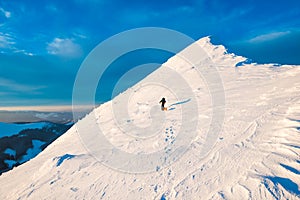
<point x="23" y="141"/>
<point x="35" y="116"/>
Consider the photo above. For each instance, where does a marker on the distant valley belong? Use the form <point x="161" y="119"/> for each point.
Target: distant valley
<point x="20" y="142"/>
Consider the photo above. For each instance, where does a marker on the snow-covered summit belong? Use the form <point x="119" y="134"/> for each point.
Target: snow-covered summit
<point x="218" y="53"/>
<point x="229" y="133"/>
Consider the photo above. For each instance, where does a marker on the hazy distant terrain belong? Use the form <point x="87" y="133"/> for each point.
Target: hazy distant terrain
<point x="36" y="116"/>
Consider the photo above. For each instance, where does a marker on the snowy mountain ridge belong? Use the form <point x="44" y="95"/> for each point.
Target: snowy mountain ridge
<point x="245" y="146"/>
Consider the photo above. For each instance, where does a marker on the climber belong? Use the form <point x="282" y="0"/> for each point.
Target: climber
<point x="163" y="101"/>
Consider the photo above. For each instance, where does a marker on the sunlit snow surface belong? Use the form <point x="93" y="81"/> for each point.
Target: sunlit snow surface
<point x="255" y="156"/>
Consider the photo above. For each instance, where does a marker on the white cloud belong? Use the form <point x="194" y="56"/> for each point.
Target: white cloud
<point x="7" y="43"/>
<point x="22" y="51"/>
<point x="18" y="87"/>
<point x="6" y="40"/>
<point x="79" y="35"/>
<point x="64" y="47"/>
<point x="28" y="54"/>
<point x="5" y="13"/>
<point x="268" y="37"/>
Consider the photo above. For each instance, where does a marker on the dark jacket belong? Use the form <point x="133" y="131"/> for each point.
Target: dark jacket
<point x="163" y="101"/>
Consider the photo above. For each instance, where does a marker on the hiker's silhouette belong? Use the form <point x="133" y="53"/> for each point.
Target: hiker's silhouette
<point x="163" y="101"/>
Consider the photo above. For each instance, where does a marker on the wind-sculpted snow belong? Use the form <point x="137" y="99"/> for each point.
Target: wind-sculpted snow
<point x="255" y="155"/>
<point x="61" y="159"/>
<point x="273" y="184"/>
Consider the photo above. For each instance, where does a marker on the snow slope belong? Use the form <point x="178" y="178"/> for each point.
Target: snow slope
<point x="184" y="153"/>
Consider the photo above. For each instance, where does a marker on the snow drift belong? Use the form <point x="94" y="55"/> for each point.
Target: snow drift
<point x="254" y="155"/>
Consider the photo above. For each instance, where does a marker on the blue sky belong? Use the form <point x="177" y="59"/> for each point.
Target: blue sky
<point x="42" y="43"/>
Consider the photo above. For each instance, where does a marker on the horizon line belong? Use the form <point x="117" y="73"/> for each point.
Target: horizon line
<point x="49" y="108"/>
